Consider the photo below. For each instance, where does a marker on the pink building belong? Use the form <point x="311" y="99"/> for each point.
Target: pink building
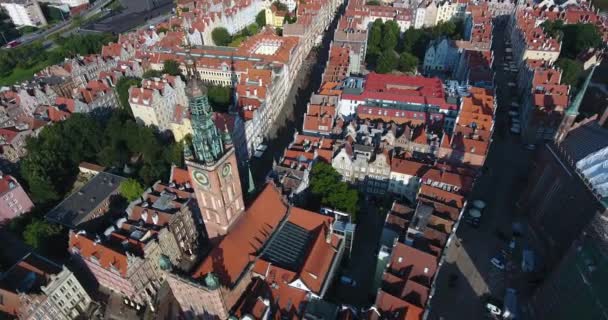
<point x="13" y="199"/>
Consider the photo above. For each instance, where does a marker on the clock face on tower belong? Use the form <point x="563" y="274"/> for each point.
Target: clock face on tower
<point x="201" y="178"/>
<point x="226" y="170"/>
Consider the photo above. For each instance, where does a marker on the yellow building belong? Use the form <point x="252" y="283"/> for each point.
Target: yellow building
<point x="275" y="17"/>
<point x="181" y="124"/>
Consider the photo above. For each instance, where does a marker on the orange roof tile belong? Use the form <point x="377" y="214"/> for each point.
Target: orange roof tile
<point x="234" y="252"/>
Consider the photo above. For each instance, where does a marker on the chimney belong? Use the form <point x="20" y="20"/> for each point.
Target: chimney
<point x="330" y="231"/>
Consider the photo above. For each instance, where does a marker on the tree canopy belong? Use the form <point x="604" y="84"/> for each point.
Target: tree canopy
<point x="579" y="37"/>
<point x="131" y="189"/>
<point x="171" y="67"/>
<point x="407" y="62"/>
<point x="387" y="62"/>
<point x="40" y="234"/>
<point x="53" y="157"/>
<point x="575" y="37"/>
<point x="221" y="37"/>
<point x="571" y="70"/>
<point x="328" y="188"/>
<point x="122" y="90"/>
<point x="260" y="18"/>
<point x="220" y="97"/>
<point x="152" y="74"/>
<point x="30" y="58"/>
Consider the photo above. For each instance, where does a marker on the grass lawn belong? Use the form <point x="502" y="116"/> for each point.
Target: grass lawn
<point x="19" y="74"/>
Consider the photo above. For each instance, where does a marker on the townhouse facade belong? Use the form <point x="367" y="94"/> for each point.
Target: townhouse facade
<point x="156" y="101"/>
<point x="14" y="201"/>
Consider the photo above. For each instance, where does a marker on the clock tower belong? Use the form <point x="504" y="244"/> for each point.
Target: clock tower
<point x="212" y="165"/>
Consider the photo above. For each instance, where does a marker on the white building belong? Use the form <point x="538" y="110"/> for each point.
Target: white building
<point x="67" y="293"/>
<point x="154" y="103"/>
<point x="405" y="178"/>
<point x="450" y="10"/>
<point x="25" y="13"/>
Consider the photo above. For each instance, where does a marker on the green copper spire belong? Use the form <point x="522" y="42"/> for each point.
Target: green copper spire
<point x="576" y="102"/>
<point x="226" y="137"/>
<point x="206" y="139"/>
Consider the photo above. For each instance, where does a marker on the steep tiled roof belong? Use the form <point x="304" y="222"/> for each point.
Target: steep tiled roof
<point x="409" y="167"/>
<point x="105" y="256"/>
<point x="322" y="253"/>
<point x="231" y="256"/>
<point x="443" y="196"/>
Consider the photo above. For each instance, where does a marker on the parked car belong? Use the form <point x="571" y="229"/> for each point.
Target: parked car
<point x="513" y="113"/>
<point x="498" y="263"/>
<point x="493" y="309"/>
<point x="348" y="281"/>
<point x="515" y="130"/>
<point x="530" y="147"/>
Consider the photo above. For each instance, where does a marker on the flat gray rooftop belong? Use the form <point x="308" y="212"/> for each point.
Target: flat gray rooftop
<point x="77" y="207"/>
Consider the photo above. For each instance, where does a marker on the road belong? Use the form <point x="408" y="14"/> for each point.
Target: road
<point x="292" y="114"/>
<point x="468" y="258"/>
<point x="28" y="38"/>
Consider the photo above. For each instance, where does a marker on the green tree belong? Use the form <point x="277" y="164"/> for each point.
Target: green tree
<point x="445" y="28"/>
<point x="221" y="37"/>
<point x="38" y="233"/>
<point x="84" y="44"/>
<point x="373" y="3"/>
<point x="260" y="18"/>
<point x="220" y="97"/>
<point x="327" y="186"/>
<point x="571" y="70"/>
<point x="389" y="41"/>
<point x="171" y="67"/>
<point x="152" y="74"/>
<point x="553" y="28"/>
<point x="131" y="189"/>
<point x="375" y="35"/>
<point x="252" y="29"/>
<point x="407" y="62"/>
<point x="579" y="37"/>
<point x="387" y="62"/>
<point x="393" y="27"/>
<point x="122" y="90"/>
<point x="162" y="30"/>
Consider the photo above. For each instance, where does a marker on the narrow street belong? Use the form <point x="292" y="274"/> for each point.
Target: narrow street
<point x="468" y="258"/>
<point x="292" y="114"/>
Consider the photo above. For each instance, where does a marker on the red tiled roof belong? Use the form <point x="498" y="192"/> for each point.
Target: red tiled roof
<point x="464" y="182"/>
<point x="321" y="254"/>
<point x="441" y="195"/>
<point x="179" y="175"/>
<point x="409" y="167"/>
<point x="106" y="256"/>
<point x="235" y="251"/>
<point x="5" y="181"/>
<point x="396" y="308"/>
